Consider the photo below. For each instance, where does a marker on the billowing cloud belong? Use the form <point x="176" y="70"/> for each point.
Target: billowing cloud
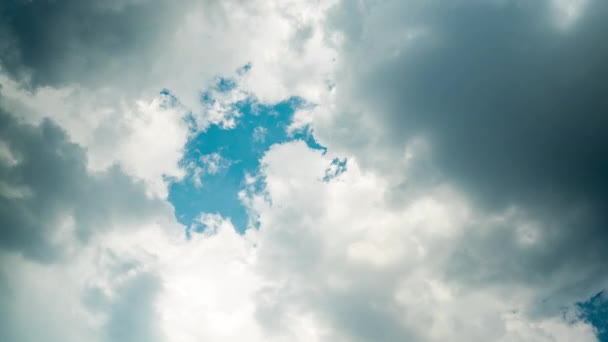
<point x="458" y="194"/>
<point x="50" y="201"/>
<point x="507" y="96"/>
<point x="360" y="268"/>
<point x="102" y="66"/>
<point x="131" y="47"/>
<point x="314" y="271"/>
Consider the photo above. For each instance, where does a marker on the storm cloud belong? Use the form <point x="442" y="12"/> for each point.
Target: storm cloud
<point x="87" y="42"/>
<point x="510" y="96"/>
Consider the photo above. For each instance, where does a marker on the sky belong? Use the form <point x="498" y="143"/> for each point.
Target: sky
<point x="202" y="170"/>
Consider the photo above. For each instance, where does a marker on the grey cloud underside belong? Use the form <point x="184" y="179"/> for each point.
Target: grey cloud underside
<point x="133" y="315"/>
<point x="48" y="182"/>
<point x="86" y="42"/>
<point x="516" y="112"/>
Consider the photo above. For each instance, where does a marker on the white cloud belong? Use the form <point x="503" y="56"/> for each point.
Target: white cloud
<point x="331" y="261"/>
<point x="119" y="113"/>
<point x="364" y="268"/>
<point x="144" y="136"/>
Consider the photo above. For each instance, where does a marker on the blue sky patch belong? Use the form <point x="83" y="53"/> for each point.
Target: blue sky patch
<point x="218" y="158"/>
<point x="595" y="312"/>
<point x="336" y="168"/>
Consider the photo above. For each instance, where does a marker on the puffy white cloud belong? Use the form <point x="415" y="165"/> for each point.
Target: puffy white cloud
<point x="99" y="82"/>
<point x="365" y="268"/>
<point x="145" y="136"/>
<point x="335" y="262"/>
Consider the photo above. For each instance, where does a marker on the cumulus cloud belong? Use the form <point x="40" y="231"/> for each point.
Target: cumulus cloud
<point x="507" y="97"/>
<point x="112" y="131"/>
<point x="97" y="68"/>
<point x="147" y="283"/>
<point x="359" y="269"/>
<point x="136" y="45"/>
<point x="314" y="271"/>
<point x="461" y="195"/>
<point x="50" y="200"/>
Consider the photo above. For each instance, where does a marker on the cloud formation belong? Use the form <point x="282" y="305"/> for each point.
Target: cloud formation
<point x="59" y="42"/>
<point x="508" y="97"/>
<point x="381" y="275"/>
<point x="48" y="198"/>
<point x="461" y="194"/>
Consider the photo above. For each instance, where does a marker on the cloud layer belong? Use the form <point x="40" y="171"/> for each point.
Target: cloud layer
<point x="507" y="96"/>
<point x="459" y="195"/>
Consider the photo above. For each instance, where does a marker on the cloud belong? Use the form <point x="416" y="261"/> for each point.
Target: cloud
<point x="359" y="268"/>
<point x="460" y="197"/>
<point x="335" y="262"/>
<point x="112" y="131"/>
<point x="49" y="201"/>
<point x="59" y="42"/>
<point x="40" y="302"/>
<point x="102" y="66"/>
<point x="132" y="47"/>
<point x="133" y="317"/>
<point x="147" y="283"/>
<point x="507" y="97"/>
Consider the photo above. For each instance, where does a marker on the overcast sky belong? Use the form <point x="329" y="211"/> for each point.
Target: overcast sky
<point x="202" y="170"/>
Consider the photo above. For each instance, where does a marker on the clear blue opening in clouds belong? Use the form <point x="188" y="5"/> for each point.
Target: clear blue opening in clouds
<point x="595" y="311"/>
<point x="218" y="158"/>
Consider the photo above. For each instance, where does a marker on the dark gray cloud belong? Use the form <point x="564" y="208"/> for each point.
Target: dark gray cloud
<point x="514" y="106"/>
<point x="89" y="42"/>
<point x="45" y="184"/>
